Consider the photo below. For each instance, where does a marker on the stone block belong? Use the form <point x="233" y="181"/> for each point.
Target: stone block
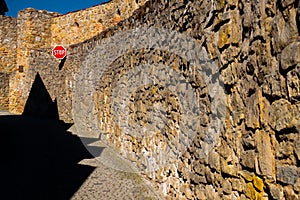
<point x="284" y="30"/>
<point x="238" y="184"/>
<point x="248" y="159"/>
<point x="276" y="191"/>
<point x="258" y="184"/>
<point x="297" y="185"/>
<point x="274" y="84"/>
<point x="4" y="91"/>
<point x="228" y="169"/>
<point x="250" y="191"/>
<point x="297" y="147"/>
<point x="214" y="160"/>
<point x="252" y="116"/>
<point x="248" y="176"/>
<point x="290" y="56"/>
<point x="287" y="174"/>
<point x="224" y="35"/>
<point x="226" y="186"/>
<point x="282" y="115"/>
<point x="266" y="158"/>
<point x="229" y="75"/>
<point x="289" y="193"/>
<point x="293" y="83"/>
<point x="199" y="193"/>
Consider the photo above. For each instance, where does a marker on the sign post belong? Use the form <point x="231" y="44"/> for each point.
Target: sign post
<point x="59" y="52"/>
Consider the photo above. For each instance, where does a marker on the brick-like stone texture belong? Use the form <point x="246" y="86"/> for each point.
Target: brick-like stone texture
<point x="8" y="43"/>
<point x="255" y="47"/>
<point x="4" y="93"/>
<point x="75" y="27"/>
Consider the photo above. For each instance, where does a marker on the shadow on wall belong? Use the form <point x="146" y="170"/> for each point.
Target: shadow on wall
<point x="39" y="158"/>
<point x="39" y="102"/>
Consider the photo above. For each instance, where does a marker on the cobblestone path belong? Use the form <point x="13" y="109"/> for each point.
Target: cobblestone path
<point x="113" y="178"/>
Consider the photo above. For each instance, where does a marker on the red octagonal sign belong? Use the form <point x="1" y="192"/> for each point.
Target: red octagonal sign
<point x="59" y="52"/>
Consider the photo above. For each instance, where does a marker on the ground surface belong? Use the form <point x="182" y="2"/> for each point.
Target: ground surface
<point x="42" y="160"/>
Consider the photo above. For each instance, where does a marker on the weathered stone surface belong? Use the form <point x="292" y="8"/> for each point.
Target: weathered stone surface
<point x="289" y="193"/>
<point x="209" y="176"/>
<point x="226" y="186"/>
<point x="4" y="93"/>
<point x="214" y="160"/>
<point x="266" y="157"/>
<point x="236" y="107"/>
<point x="199" y="193"/>
<point x="297" y="147"/>
<point x="276" y="191"/>
<point x="274" y="84"/>
<point x="290" y="55"/>
<point x="284" y="29"/>
<point x="286" y="3"/>
<point x="254" y="46"/>
<point x="258" y="184"/>
<point x="229" y="75"/>
<point x="297" y="185"/>
<point x="250" y="191"/>
<point x="228" y="169"/>
<point x="286" y="148"/>
<point x="248" y="159"/>
<point x="210" y="192"/>
<point x="293" y="83"/>
<point x="287" y="174"/>
<point x="252" y="117"/>
<point x="238" y="184"/>
<point x="76" y="27"/>
<point x="282" y="115"/>
<point x="8" y="44"/>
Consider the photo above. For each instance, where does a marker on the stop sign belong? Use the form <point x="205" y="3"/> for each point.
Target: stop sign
<point x="59" y="52"/>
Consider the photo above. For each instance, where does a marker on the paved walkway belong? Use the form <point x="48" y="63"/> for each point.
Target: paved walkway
<point x="107" y="183"/>
<point x="113" y="178"/>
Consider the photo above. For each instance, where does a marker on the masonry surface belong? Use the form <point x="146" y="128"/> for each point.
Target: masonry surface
<point x="256" y="48"/>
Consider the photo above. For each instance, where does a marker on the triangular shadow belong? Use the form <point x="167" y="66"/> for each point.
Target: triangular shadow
<point x="39" y="102"/>
<point x="39" y="157"/>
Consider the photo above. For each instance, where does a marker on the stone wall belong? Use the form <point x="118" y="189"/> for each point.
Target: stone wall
<point x="253" y="154"/>
<point x="8" y="43"/>
<point x="42" y="29"/>
<point x="33" y="31"/>
<point x="4" y="87"/>
<point x="256" y="155"/>
<point x="8" y="54"/>
<point x="75" y="27"/>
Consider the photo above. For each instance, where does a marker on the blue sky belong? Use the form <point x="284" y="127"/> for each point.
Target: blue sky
<point x="60" y="6"/>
